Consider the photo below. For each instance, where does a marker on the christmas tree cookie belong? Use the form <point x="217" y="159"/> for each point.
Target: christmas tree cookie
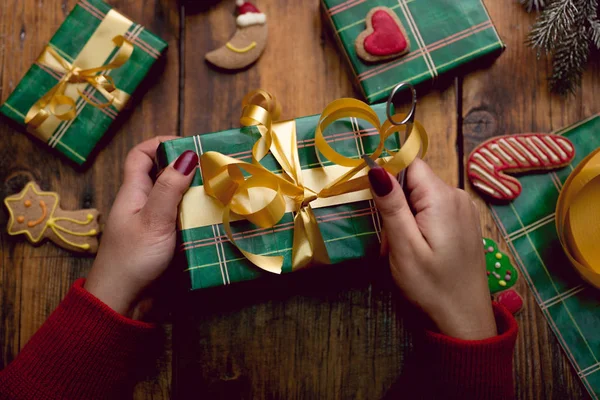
<point x="500" y="272"/>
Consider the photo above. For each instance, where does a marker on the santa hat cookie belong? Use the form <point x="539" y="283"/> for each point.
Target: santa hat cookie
<point x="248" y="42"/>
<point x="248" y="14"/>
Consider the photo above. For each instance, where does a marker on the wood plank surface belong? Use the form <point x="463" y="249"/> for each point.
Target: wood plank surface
<point x="327" y="334"/>
<point x="33" y="280"/>
<point x="512" y="97"/>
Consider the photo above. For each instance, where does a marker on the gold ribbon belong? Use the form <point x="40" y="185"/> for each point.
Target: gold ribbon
<point x="578" y="218"/>
<point x="250" y="191"/>
<point x="49" y="103"/>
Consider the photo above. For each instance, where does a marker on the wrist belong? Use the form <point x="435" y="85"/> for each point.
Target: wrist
<point x="474" y="325"/>
<point x="115" y="293"/>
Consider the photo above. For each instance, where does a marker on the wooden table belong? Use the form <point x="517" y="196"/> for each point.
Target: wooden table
<point x="342" y="337"/>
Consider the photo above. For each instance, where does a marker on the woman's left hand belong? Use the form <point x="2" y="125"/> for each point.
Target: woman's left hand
<point x="140" y="235"/>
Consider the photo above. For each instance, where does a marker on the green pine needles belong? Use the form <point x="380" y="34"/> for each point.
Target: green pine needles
<point x="566" y="29"/>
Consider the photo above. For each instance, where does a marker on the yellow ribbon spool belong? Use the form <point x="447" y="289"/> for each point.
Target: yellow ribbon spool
<point x="250" y="191"/>
<point x="50" y="102"/>
<point x="578" y="218"/>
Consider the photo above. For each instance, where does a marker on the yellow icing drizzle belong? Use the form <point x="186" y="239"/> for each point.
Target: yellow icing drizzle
<point x="57" y="229"/>
<point x="89" y="218"/>
<point x="244" y="50"/>
<point x="31" y="224"/>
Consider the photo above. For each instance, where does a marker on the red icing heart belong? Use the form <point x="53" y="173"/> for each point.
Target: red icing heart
<point x="387" y="39"/>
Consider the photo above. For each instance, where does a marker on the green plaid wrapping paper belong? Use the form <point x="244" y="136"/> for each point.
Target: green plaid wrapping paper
<point x="350" y="230"/>
<point x="77" y="138"/>
<point x="443" y="36"/>
<point x="570" y="305"/>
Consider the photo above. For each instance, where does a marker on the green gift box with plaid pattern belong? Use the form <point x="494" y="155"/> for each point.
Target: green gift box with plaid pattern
<point x="528" y="225"/>
<point x="442" y="34"/>
<point x="350" y="231"/>
<point x="83" y="42"/>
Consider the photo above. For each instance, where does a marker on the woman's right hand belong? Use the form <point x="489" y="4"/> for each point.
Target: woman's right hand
<point x="436" y="254"/>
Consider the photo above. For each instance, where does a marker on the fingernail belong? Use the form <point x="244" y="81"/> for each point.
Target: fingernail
<point x="380" y="181"/>
<point x="186" y="162"/>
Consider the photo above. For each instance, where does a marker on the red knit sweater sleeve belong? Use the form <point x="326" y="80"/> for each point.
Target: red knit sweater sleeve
<point x="442" y="367"/>
<point x="85" y="350"/>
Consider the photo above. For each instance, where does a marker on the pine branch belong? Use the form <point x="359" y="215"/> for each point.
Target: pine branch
<point x="595" y="33"/>
<point x="551" y="25"/>
<point x="568" y="62"/>
<point x="531" y="5"/>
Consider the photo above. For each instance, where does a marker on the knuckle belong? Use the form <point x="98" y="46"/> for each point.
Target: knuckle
<point x="164" y="185"/>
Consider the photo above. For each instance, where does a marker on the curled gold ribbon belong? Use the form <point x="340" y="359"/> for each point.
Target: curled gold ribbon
<point x="578" y="218"/>
<point x="250" y="191"/>
<point x="49" y="103"/>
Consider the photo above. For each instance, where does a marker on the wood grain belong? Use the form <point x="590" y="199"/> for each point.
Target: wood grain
<point x="327" y="334"/>
<point x="34" y="279"/>
<point x="512" y="97"/>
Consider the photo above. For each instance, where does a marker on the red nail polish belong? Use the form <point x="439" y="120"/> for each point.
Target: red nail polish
<point x="380" y="181"/>
<point x="186" y="162"/>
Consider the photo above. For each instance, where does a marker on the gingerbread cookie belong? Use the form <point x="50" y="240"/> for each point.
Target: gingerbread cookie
<point x="248" y="42"/>
<point x="500" y="272"/>
<point x="384" y="38"/>
<point x="38" y="216"/>
<point x="490" y="161"/>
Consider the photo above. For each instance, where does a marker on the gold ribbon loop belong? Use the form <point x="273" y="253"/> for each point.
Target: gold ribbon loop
<point x="578" y="218"/>
<point x="250" y="191"/>
<point x="54" y="102"/>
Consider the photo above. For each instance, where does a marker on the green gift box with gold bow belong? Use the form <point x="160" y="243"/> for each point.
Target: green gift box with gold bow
<point x="83" y="78"/>
<point x="442" y="35"/>
<point x="315" y="204"/>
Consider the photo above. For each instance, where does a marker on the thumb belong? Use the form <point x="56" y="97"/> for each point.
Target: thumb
<point x="399" y="223"/>
<point x="161" y="208"/>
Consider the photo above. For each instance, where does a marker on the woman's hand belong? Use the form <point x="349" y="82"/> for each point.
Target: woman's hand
<point x="139" y="239"/>
<point x="436" y="255"/>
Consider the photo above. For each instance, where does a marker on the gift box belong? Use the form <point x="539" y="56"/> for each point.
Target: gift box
<point x="442" y="36"/>
<point x="84" y="77"/>
<point x="348" y="223"/>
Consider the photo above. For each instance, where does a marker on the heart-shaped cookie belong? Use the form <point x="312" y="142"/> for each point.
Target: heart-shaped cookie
<point x="384" y="38"/>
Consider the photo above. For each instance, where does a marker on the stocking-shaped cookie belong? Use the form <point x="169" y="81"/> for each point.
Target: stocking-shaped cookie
<point x="37" y="215"/>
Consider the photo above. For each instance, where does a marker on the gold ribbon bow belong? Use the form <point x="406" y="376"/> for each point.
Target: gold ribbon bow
<point x="578" y="218"/>
<point x="49" y="103"/>
<point x="250" y="191"/>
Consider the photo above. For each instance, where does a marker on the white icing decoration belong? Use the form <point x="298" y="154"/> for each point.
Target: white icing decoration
<point x="531" y="157"/>
<point x="490" y="155"/>
<point x="484" y="160"/>
<point x="556" y="147"/>
<point x="498" y="149"/>
<point x="485" y="188"/>
<point x="543" y="145"/>
<point x="248" y="19"/>
<point x="495" y="181"/>
<point x="565" y="143"/>
<point x="497" y="265"/>
<point x="512" y="150"/>
<point x="533" y="146"/>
